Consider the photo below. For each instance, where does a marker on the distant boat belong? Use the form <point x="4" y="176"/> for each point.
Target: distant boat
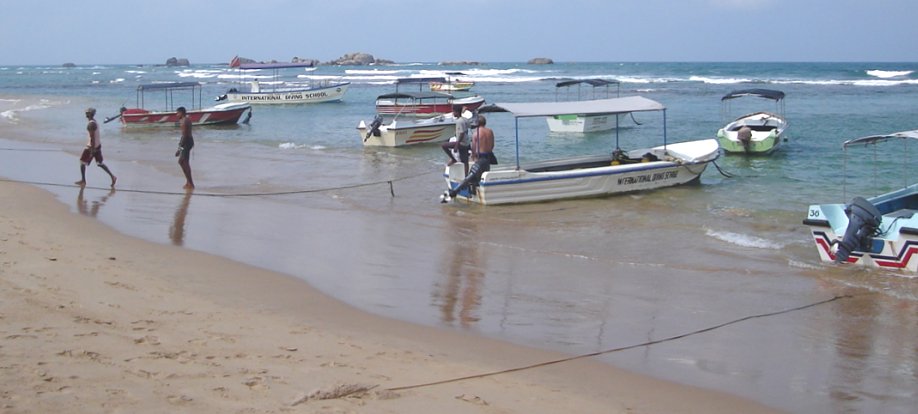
<point x="755" y="133"/>
<point x="879" y="231"/>
<point x="227" y="113"/>
<point x="452" y="84"/>
<point x="615" y="172"/>
<point x="423" y="103"/>
<point x="327" y="91"/>
<point x="579" y="122"/>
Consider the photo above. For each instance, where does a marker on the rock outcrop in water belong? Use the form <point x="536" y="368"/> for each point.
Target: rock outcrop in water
<point x="541" y="61"/>
<point x="358" y="59"/>
<point x="177" y="62"/>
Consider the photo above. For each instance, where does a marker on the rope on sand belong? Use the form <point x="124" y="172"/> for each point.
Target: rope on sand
<point x="265" y="194"/>
<point x="624" y="348"/>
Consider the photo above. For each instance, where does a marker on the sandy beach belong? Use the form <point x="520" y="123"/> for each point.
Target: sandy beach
<point x="95" y="321"/>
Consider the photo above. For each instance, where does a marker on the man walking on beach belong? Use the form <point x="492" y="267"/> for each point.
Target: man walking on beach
<point x="93" y="150"/>
<point x="186" y="143"/>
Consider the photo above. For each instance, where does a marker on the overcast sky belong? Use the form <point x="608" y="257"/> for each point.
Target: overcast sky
<point x="211" y="31"/>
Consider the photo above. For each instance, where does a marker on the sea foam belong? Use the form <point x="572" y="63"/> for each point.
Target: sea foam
<point x="744" y="240"/>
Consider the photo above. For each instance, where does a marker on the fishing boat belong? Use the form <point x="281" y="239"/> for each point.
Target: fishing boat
<point x="618" y="171"/>
<point x="401" y="131"/>
<point x="271" y="93"/>
<point x="578" y="123"/>
<point x="755" y="133"/>
<point x="423" y="103"/>
<point x="220" y="114"/>
<point x="876" y="232"/>
<point x="452" y="83"/>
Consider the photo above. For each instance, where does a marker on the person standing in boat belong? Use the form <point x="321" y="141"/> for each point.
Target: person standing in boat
<point x="461" y="143"/>
<point x="93" y="150"/>
<point x="482" y="155"/>
<point x="186" y="143"/>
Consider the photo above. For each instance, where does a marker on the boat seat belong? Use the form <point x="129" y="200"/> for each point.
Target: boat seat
<point x="758" y="128"/>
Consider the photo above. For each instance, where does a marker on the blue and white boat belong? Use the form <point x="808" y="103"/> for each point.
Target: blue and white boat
<point x="879" y="231"/>
<point x="618" y="171"/>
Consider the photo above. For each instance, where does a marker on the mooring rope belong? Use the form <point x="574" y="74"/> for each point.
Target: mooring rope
<point x="624" y="348"/>
<point x="390" y="182"/>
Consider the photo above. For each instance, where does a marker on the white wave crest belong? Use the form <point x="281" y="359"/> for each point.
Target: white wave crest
<point x="744" y="240"/>
<point x="886" y="74"/>
<point x="290" y="146"/>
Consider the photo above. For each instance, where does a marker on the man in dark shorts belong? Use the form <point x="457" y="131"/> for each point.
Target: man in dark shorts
<point x="482" y="156"/>
<point x="93" y="150"/>
<point x="461" y="144"/>
<point x="186" y="143"/>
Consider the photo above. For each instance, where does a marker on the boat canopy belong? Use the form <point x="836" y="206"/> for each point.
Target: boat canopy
<point x="402" y="81"/>
<point x="761" y="93"/>
<point x="875" y="139"/>
<point x="281" y="65"/>
<point x="591" y="82"/>
<point x="415" y="95"/>
<point x="590" y="107"/>
<point x="168" y="85"/>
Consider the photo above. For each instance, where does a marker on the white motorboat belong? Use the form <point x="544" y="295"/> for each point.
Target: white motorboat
<point x="754" y="133"/>
<point x="879" y="231"/>
<point x="401" y="131"/>
<point x="580" y="123"/>
<point x="618" y="171"/>
<point x="271" y="93"/>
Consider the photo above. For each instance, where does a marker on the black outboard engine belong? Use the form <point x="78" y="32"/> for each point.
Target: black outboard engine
<point x="863" y="221"/>
<point x="374" y="127"/>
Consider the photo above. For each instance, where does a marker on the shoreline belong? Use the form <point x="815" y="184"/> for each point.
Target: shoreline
<point x="88" y="323"/>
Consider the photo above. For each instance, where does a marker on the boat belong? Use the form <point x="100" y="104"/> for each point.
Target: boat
<point x="314" y="92"/>
<point x="220" y="114"/>
<point x="875" y="232"/>
<point x="755" y="133"/>
<point x="616" y="172"/>
<point x="423" y="103"/>
<point x="584" y="123"/>
<point x="452" y="84"/>
<point x="401" y="131"/>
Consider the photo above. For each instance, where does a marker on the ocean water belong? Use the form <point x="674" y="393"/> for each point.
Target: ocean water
<point x="576" y="276"/>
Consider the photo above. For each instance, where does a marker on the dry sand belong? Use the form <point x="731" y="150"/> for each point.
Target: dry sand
<point x="95" y="321"/>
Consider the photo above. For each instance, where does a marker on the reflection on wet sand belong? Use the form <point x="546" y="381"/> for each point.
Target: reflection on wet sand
<point x="91" y="209"/>
<point x="177" y="229"/>
<point x="459" y="297"/>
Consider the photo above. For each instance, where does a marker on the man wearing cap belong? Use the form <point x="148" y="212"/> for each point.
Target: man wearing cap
<point x="93" y="150"/>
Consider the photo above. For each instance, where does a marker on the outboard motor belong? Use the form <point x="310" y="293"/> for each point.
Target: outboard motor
<point x="374" y="127"/>
<point x="863" y="221"/>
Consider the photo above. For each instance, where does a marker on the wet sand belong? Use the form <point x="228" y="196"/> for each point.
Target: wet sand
<point x="96" y="321"/>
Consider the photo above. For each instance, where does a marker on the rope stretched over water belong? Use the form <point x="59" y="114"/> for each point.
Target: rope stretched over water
<point x="265" y="194"/>
<point x="624" y="348"/>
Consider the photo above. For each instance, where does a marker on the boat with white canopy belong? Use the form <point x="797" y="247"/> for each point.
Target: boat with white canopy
<point x="880" y="231"/>
<point x="755" y="133"/>
<point x="599" y="89"/>
<point x="618" y="171"/>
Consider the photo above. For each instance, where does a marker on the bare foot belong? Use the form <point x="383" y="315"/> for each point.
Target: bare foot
<point x="113" y="181"/>
<point x="188" y="186"/>
<point x="81" y="183"/>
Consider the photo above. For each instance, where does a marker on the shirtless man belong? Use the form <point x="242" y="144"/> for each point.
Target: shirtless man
<point x="186" y="143"/>
<point x="93" y="150"/>
<point x="482" y="155"/>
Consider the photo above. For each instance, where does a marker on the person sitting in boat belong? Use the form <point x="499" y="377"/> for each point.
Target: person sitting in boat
<point x="482" y="155"/>
<point x="461" y="144"/>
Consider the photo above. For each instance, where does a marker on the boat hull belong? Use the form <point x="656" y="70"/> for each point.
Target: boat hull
<point x="767" y="131"/>
<point x="895" y="249"/>
<point x="293" y="96"/>
<point x="586" y="177"/>
<point x="580" y="123"/>
<point x="222" y="114"/>
<point x="403" y="133"/>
